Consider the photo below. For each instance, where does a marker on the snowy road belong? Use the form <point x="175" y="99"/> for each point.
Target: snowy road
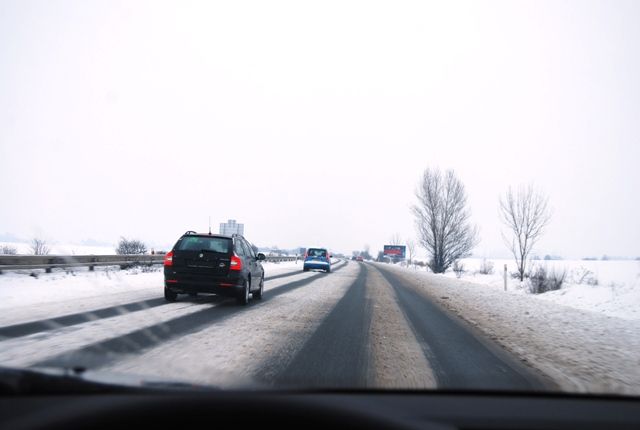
<point x="359" y="326"/>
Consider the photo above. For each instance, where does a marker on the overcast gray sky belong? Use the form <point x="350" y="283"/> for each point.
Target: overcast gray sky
<point x="312" y="122"/>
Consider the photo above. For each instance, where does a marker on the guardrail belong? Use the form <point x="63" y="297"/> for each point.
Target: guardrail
<point x="276" y="259"/>
<point x="49" y="262"/>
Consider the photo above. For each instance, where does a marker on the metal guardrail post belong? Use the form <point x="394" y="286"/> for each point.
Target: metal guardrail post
<point x="505" y="277"/>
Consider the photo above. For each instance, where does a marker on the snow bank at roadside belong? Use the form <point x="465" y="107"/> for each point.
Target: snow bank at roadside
<point x="616" y="294"/>
<point x="22" y="289"/>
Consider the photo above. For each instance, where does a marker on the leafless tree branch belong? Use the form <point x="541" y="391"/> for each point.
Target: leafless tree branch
<point x="8" y="250"/>
<point x="411" y="249"/>
<point x="395" y="239"/>
<point x="525" y="214"/>
<point x="39" y="247"/>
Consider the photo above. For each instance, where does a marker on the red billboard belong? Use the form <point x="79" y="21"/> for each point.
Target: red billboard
<point x="398" y="251"/>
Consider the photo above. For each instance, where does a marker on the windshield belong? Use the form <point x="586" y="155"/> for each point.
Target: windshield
<point x="197" y="243"/>
<point x="472" y="166"/>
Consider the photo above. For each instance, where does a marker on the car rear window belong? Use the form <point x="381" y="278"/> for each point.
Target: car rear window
<point x="315" y="252"/>
<point x="220" y="245"/>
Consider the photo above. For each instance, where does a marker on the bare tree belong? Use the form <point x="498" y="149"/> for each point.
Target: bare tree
<point x="395" y="239"/>
<point x="130" y="246"/>
<point x="442" y="219"/>
<point x="525" y="214"/>
<point x="458" y="269"/>
<point x="8" y="250"/>
<point x="411" y="248"/>
<point x="39" y="247"/>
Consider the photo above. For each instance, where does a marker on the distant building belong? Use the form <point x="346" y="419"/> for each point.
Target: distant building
<point x="231" y="227"/>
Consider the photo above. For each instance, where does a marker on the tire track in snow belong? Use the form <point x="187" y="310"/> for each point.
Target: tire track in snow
<point x="25" y="329"/>
<point x="336" y="354"/>
<point x="231" y="353"/>
<point x="103" y="352"/>
<point x="48" y="324"/>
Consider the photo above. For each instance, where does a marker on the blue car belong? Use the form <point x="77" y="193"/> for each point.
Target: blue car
<point x="318" y="259"/>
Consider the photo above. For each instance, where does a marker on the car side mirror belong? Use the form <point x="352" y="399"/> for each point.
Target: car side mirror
<point x="261" y="256"/>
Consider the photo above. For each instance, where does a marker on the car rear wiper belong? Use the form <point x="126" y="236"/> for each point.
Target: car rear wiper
<point x="26" y="381"/>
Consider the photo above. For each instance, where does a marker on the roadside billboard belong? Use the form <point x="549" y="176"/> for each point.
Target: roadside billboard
<point x="395" y="251"/>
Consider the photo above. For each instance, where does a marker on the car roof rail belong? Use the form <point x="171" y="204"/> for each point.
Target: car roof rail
<point x="190" y="232"/>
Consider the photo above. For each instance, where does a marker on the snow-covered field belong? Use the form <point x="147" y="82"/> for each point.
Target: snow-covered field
<point x="617" y="292"/>
<point x="23" y="248"/>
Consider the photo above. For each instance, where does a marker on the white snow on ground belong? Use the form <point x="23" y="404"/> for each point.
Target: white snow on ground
<point x="235" y="347"/>
<point x="616" y="294"/>
<point x="583" y="350"/>
<point x="28" y="350"/>
<point x="580" y="350"/>
<point x="24" y="297"/>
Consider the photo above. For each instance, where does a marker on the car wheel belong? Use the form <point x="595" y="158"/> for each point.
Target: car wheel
<point x="258" y="294"/>
<point x="328" y="270"/>
<point x="243" y="298"/>
<point x="169" y="295"/>
<point x="304" y="269"/>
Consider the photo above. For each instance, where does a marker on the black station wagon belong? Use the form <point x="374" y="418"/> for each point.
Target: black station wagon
<point x="214" y="264"/>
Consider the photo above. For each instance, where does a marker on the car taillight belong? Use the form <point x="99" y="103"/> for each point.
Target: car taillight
<point x="168" y="259"/>
<point x="236" y="263"/>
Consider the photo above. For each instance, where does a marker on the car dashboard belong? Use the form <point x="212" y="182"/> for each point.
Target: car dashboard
<point x="334" y="409"/>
